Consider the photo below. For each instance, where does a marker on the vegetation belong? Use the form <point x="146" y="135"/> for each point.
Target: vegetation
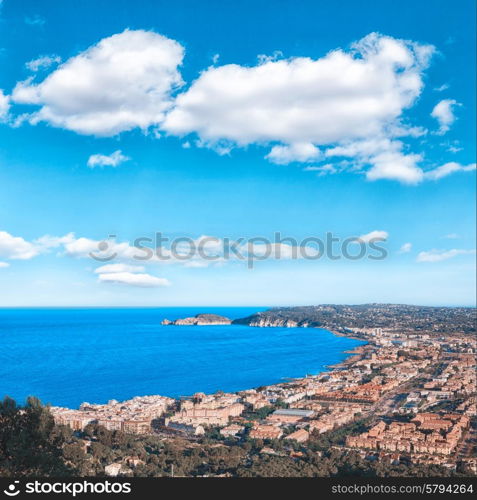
<point x="31" y="445"/>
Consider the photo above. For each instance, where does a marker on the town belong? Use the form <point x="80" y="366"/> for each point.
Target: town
<point x="413" y="395"/>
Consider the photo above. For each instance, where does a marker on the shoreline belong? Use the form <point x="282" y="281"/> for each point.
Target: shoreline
<point x="283" y="380"/>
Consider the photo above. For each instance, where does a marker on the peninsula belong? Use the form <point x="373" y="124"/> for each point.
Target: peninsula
<point x="353" y="319"/>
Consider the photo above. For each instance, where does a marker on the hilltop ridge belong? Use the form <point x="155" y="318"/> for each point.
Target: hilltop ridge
<point x="349" y="318"/>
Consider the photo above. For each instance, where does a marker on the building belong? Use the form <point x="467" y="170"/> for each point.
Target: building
<point x="300" y="436"/>
<point x="290" y="416"/>
<point x="265" y="432"/>
<point x="187" y="429"/>
<point x="206" y="415"/>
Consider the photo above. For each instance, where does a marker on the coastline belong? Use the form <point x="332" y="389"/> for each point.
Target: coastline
<point x="372" y="389"/>
<point x="286" y="380"/>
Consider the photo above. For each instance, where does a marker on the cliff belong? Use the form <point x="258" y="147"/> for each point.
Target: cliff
<point x="266" y="320"/>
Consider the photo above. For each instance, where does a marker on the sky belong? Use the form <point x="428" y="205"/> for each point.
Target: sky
<point x="233" y="121"/>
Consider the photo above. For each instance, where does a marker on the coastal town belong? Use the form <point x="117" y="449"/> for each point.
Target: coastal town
<point x="403" y="397"/>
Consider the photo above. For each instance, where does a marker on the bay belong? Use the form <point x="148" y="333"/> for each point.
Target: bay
<point x="68" y="356"/>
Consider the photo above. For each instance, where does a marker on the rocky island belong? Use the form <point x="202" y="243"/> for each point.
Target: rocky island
<point x="200" y="320"/>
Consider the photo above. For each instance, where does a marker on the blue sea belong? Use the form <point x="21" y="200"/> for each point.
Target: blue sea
<point x="67" y="356"/>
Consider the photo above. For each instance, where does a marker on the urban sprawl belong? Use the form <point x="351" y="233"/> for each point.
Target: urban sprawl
<point x="415" y="391"/>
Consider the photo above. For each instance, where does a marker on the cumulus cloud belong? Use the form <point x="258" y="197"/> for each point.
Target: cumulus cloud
<point x="349" y="102"/>
<point x="396" y="166"/>
<point x="443" y="112"/>
<point x="121" y="83"/>
<point x="385" y="156"/>
<point x="112" y="160"/>
<point x="373" y="236"/>
<point x="110" y="249"/>
<point x="303" y="152"/>
<point x="4" y="106"/>
<point x="302" y="103"/>
<point x="447" y="169"/>
<point x="440" y="255"/>
<point x="43" y="62"/>
<point x="102" y="250"/>
<point x="405" y="248"/>
<point x="135" y="279"/>
<point x="15" y="247"/>
<point x="128" y="275"/>
<point x="341" y="96"/>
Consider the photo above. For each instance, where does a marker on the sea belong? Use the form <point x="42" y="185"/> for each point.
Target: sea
<point x="68" y="356"/>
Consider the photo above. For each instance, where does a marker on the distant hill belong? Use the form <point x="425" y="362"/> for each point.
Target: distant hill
<point x="343" y="318"/>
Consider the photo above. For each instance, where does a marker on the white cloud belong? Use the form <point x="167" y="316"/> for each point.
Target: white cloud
<point x="304" y="152"/>
<point x="443" y="112"/>
<point x="350" y="102"/>
<point x="47" y="242"/>
<point x="396" y="166"/>
<point x="343" y="97"/>
<point x="4" y="106"/>
<point x="321" y="170"/>
<point x="15" y="247"/>
<point x="447" y="169"/>
<point x="442" y="87"/>
<point x="373" y="236"/>
<point x="386" y="157"/>
<point x="141" y="280"/>
<point x="118" y="268"/>
<point x="4" y="264"/>
<point x="112" y="160"/>
<point x="122" y="82"/>
<point x="440" y="255"/>
<point x="451" y="236"/>
<point x="43" y="62"/>
<point x="102" y="249"/>
<point x="405" y="248"/>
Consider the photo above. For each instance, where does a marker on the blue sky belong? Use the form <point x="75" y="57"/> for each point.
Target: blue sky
<point x="236" y="120"/>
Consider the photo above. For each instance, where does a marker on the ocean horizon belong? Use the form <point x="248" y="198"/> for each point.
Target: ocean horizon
<point x="66" y="356"/>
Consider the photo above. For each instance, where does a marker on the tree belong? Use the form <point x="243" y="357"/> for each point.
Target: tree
<point x="29" y="443"/>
